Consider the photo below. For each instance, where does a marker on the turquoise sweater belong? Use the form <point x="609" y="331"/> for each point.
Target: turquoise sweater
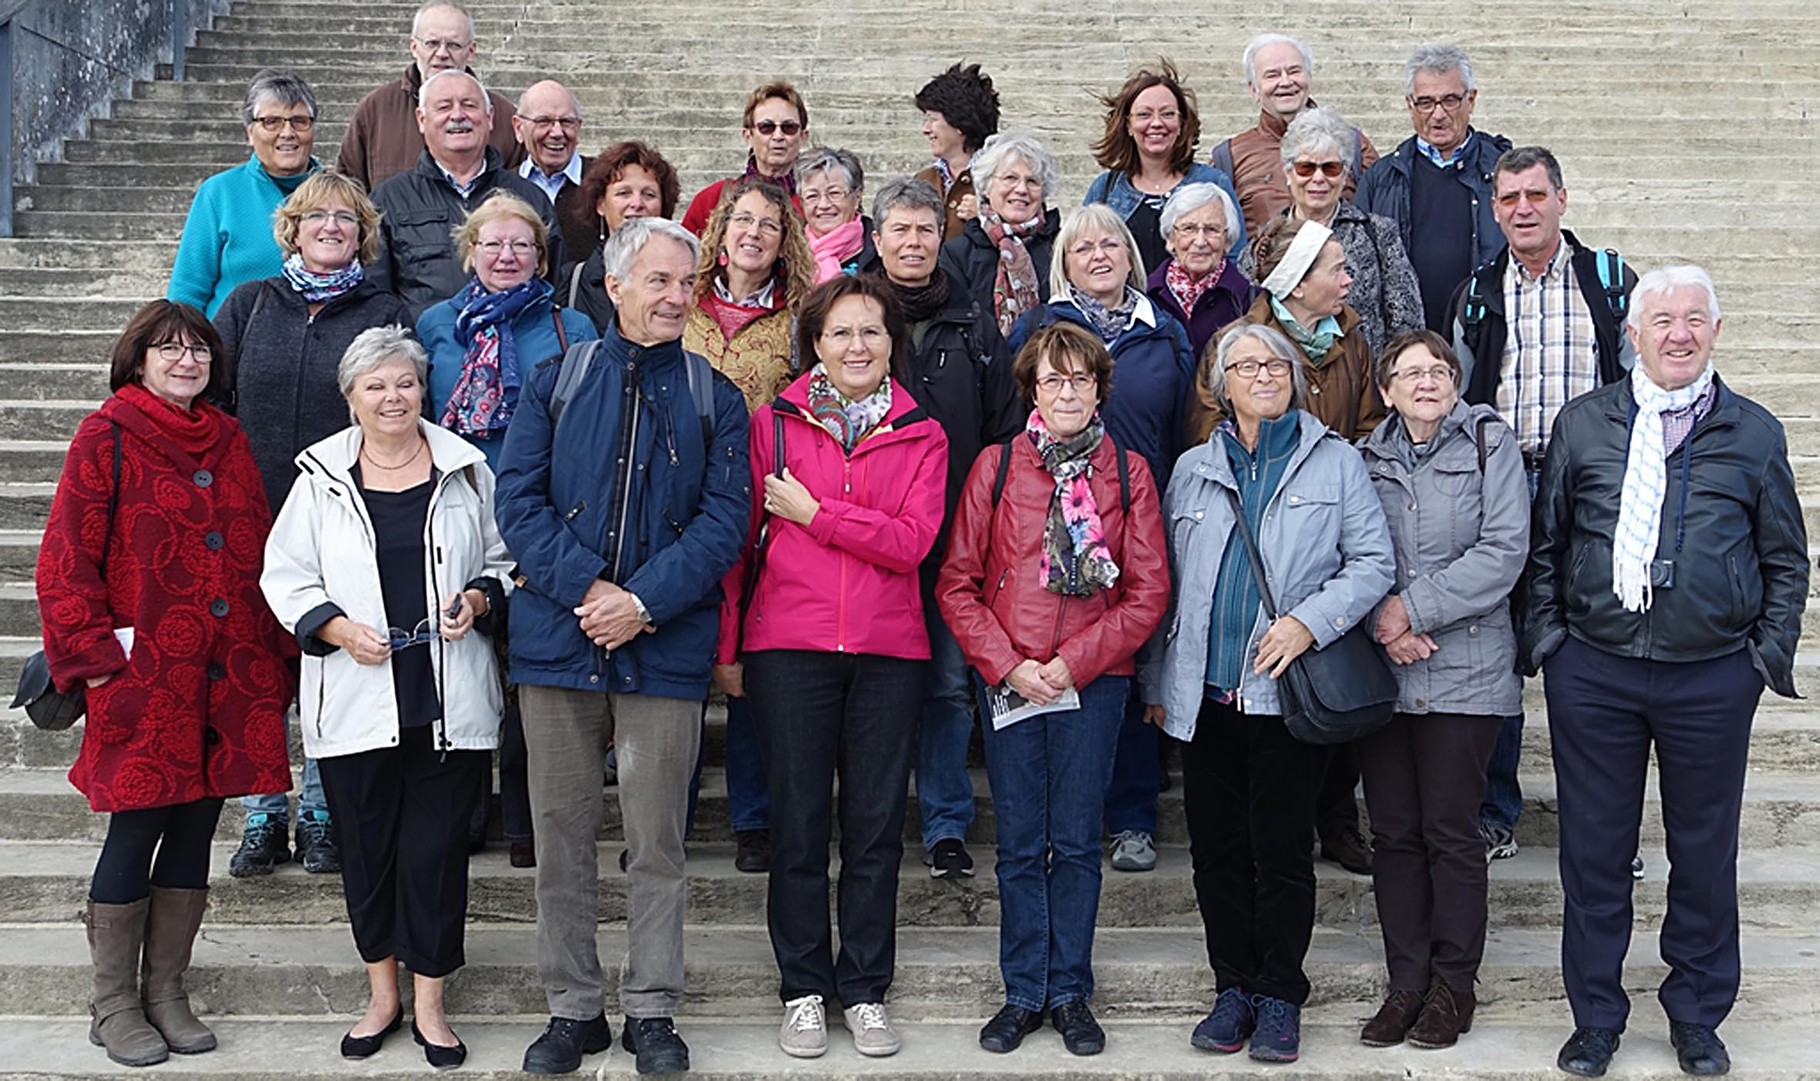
<point x="228" y="236"/>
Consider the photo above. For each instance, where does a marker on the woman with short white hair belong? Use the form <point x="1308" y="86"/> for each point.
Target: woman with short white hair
<point x="1002" y="257"/>
<point x="1198" y="284"/>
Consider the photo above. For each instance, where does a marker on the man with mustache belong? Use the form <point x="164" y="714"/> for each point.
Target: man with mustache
<point x="548" y="126"/>
<point x="382" y="139"/>
<point x="457" y="170"/>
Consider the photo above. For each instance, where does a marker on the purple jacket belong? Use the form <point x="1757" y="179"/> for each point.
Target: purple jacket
<point x="1226" y="302"/>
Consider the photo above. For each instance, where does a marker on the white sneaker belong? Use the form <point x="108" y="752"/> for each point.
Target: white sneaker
<point x="804" y="1033"/>
<point x="1133" y="851"/>
<point x="873" y="1033"/>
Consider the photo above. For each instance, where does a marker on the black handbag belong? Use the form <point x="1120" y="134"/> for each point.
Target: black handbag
<point x="1331" y="695"/>
<point x="49" y="708"/>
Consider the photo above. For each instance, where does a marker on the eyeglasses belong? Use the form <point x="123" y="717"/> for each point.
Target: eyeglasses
<point x="519" y="248"/>
<point x="767" y="226"/>
<point x="1248" y="369"/>
<point x="172" y="352"/>
<point x="1108" y="245"/>
<point x="1535" y="197"/>
<point x="767" y="127"/>
<point x="416" y="636"/>
<point x="339" y="217"/>
<point x="1012" y="181"/>
<point x="274" y="124"/>
<point x="437" y="45"/>
<point x="1450" y="102"/>
<point x="842" y="338"/>
<point x="1167" y="116"/>
<point x="545" y="123"/>
<point x="1052" y="385"/>
<point x="1189" y="230"/>
<point x="1328" y="169"/>
<point x="1413" y="376"/>
<point x="817" y="195"/>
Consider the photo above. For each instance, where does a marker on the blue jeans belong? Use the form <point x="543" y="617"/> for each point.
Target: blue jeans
<point x="944" y="791"/>
<point x="1049" y="775"/>
<point x="1503" y="803"/>
<point x="277" y="804"/>
<point x="1137" y="777"/>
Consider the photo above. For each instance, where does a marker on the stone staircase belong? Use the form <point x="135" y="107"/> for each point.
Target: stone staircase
<point x="1683" y="128"/>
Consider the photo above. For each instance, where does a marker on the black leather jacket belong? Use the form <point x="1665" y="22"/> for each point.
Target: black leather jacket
<point x="1731" y="522"/>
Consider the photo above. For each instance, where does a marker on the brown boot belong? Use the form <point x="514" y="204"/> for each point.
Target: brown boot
<point x="116" y="935"/>
<point x="1392" y="1023"/>
<point x="170" y="931"/>
<point x="1445" y="1015"/>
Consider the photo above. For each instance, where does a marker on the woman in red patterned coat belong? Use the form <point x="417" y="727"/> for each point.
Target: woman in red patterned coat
<point x="148" y="586"/>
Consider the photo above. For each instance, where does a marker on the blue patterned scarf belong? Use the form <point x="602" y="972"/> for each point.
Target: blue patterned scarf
<point x="486" y="391"/>
<point x="319" y="288"/>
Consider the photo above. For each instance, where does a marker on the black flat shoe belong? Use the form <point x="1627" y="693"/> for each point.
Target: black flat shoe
<point x="1587" y="1053"/>
<point x="1008" y="1028"/>
<point x="1081" y="1034"/>
<point x="353" y="1046"/>
<point x="1699" y="1049"/>
<point x="438" y="1055"/>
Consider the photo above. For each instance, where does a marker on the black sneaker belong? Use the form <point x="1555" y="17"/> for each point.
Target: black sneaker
<point x="316" y="843"/>
<point x="262" y="847"/>
<point x="1346" y="846"/>
<point x="564" y="1041"/>
<point x="752" y="853"/>
<point x="949" y="859"/>
<point x="655" y="1042"/>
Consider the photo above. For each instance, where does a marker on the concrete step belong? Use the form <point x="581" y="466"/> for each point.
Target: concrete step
<point x="23" y="505"/>
<point x="69" y="254"/>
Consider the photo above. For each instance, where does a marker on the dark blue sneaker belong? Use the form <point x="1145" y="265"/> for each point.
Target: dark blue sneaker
<point x="1278" y="1037"/>
<point x="1228" y="1025"/>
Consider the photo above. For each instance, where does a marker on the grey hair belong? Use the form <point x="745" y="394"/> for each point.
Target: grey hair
<point x="373" y="347"/>
<point x="1521" y="159"/>
<point x="622" y="248"/>
<point x="910" y="193"/>
<point x="1092" y="216"/>
<point x="1265" y="41"/>
<point x="423" y="92"/>
<point x="1189" y="198"/>
<point x="1664" y="280"/>
<point x="1009" y="144"/>
<point x="1315" y="130"/>
<point x="1438" y="60"/>
<point x="287" y="87"/>
<point x="822" y="159"/>
<point x="1275" y="341"/>
<point x="432" y="5"/>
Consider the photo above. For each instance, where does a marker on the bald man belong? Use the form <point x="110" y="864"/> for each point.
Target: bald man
<point x="548" y="126"/>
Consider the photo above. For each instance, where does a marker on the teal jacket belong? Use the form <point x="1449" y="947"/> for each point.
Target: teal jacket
<point x="227" y="238"/>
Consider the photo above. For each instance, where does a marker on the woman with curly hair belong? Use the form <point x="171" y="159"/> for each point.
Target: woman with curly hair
<point x="1147" y="151"/>
<point x="960" y="112"/>
<point x="755" y="267"/>
<point x="628" y="180"/>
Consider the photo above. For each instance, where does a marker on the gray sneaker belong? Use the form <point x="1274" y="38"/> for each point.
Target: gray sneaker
<point x="1132" y="850"/>
<point x="1500" y="842"/>
<point x="804" y="1033"/>
<point x="873" y="1033"/>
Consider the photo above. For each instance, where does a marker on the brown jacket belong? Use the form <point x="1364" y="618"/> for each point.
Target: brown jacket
<point x="582" y="228"/>
<point x="1341" y="391"/>
<point x="952" y="222"/>
<point x="382" y="139"/>
<point x="1257" y="169"/>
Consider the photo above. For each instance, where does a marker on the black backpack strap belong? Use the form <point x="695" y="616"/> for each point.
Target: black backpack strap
<point x="701" y="390"/>
<point x="777" y="443"/>
<point x="1478" y="435"/>
<point x="1003" y="471"/>
<point x="1611" y="276"/>
<point x="1124" y="481"/>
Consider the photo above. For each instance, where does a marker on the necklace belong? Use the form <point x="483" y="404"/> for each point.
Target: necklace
<point x="377" y="464"/>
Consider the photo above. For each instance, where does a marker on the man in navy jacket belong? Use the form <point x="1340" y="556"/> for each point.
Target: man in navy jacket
<point x="624" y="511"/>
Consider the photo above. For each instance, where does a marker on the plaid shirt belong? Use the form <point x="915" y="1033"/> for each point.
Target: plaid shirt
<point x="1551" y="354"/>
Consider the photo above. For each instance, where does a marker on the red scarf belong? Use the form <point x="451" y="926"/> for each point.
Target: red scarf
<point x="1187" y="290"/>
<point x="733" y="318"/>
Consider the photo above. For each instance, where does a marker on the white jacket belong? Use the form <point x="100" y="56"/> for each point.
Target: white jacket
<point x="321" y="552"/>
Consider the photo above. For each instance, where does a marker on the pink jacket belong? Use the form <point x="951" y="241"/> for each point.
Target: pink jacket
<point x="847" y="582"/>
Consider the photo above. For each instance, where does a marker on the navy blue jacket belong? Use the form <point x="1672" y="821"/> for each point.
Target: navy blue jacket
<point x="686" y="501"/>
<point x="1384" y="189"/>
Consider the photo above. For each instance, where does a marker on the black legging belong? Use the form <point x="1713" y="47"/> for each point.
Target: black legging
<point x="179" y="836"/>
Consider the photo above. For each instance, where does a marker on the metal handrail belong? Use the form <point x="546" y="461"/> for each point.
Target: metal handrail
<point x="10" y="29"/>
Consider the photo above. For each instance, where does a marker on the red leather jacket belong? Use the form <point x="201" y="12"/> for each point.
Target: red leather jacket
<point x="993" y="597"/>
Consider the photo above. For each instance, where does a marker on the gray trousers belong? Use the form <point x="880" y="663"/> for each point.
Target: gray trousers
<point x="566" y="736"/>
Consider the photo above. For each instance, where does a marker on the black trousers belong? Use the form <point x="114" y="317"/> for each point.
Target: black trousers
<point x="1424" y="780"/>
<point x="1248" y="790"/>
<point x="401" y="819"/>
<point x="821" y="716"/>
<point x="1337" y="802"/>
<point x="1604" y="713"/>
<point x="177" y="837"/>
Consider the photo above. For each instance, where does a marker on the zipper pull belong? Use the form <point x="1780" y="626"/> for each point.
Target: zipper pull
<point x="579" y="507"/>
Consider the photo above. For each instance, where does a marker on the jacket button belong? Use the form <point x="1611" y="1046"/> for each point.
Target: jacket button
<point x="211" y="735"/>
<point x="203" y="478"/>
<point x="1339" y="621"/>
<point x="1412" y="505"/>
<point x="217" y="671"/>
<point x="1421" y="703"/>
<point x="213" y="540"/>
<point x="1412" y="572"/>
<point x="218" y="608"/>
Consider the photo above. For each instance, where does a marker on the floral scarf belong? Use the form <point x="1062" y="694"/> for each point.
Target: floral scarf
<point x="1076" y="561"/>
<point x="848" y="422"/>
<point x="319" y="288"/>
<point x="1187" y="289"/>
<point x="1315" y="343"/>
<point x="1014" y="284"/>
<point x="486" y="389"/>
<point x="1107" y="322"/>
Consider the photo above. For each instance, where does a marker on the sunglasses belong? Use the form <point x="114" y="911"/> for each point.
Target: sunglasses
<point x="1329" y="169"/>
<point x="766" y="127"/>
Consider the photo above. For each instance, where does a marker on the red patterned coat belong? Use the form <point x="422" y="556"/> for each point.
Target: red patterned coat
<point x="198" y="708"/>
